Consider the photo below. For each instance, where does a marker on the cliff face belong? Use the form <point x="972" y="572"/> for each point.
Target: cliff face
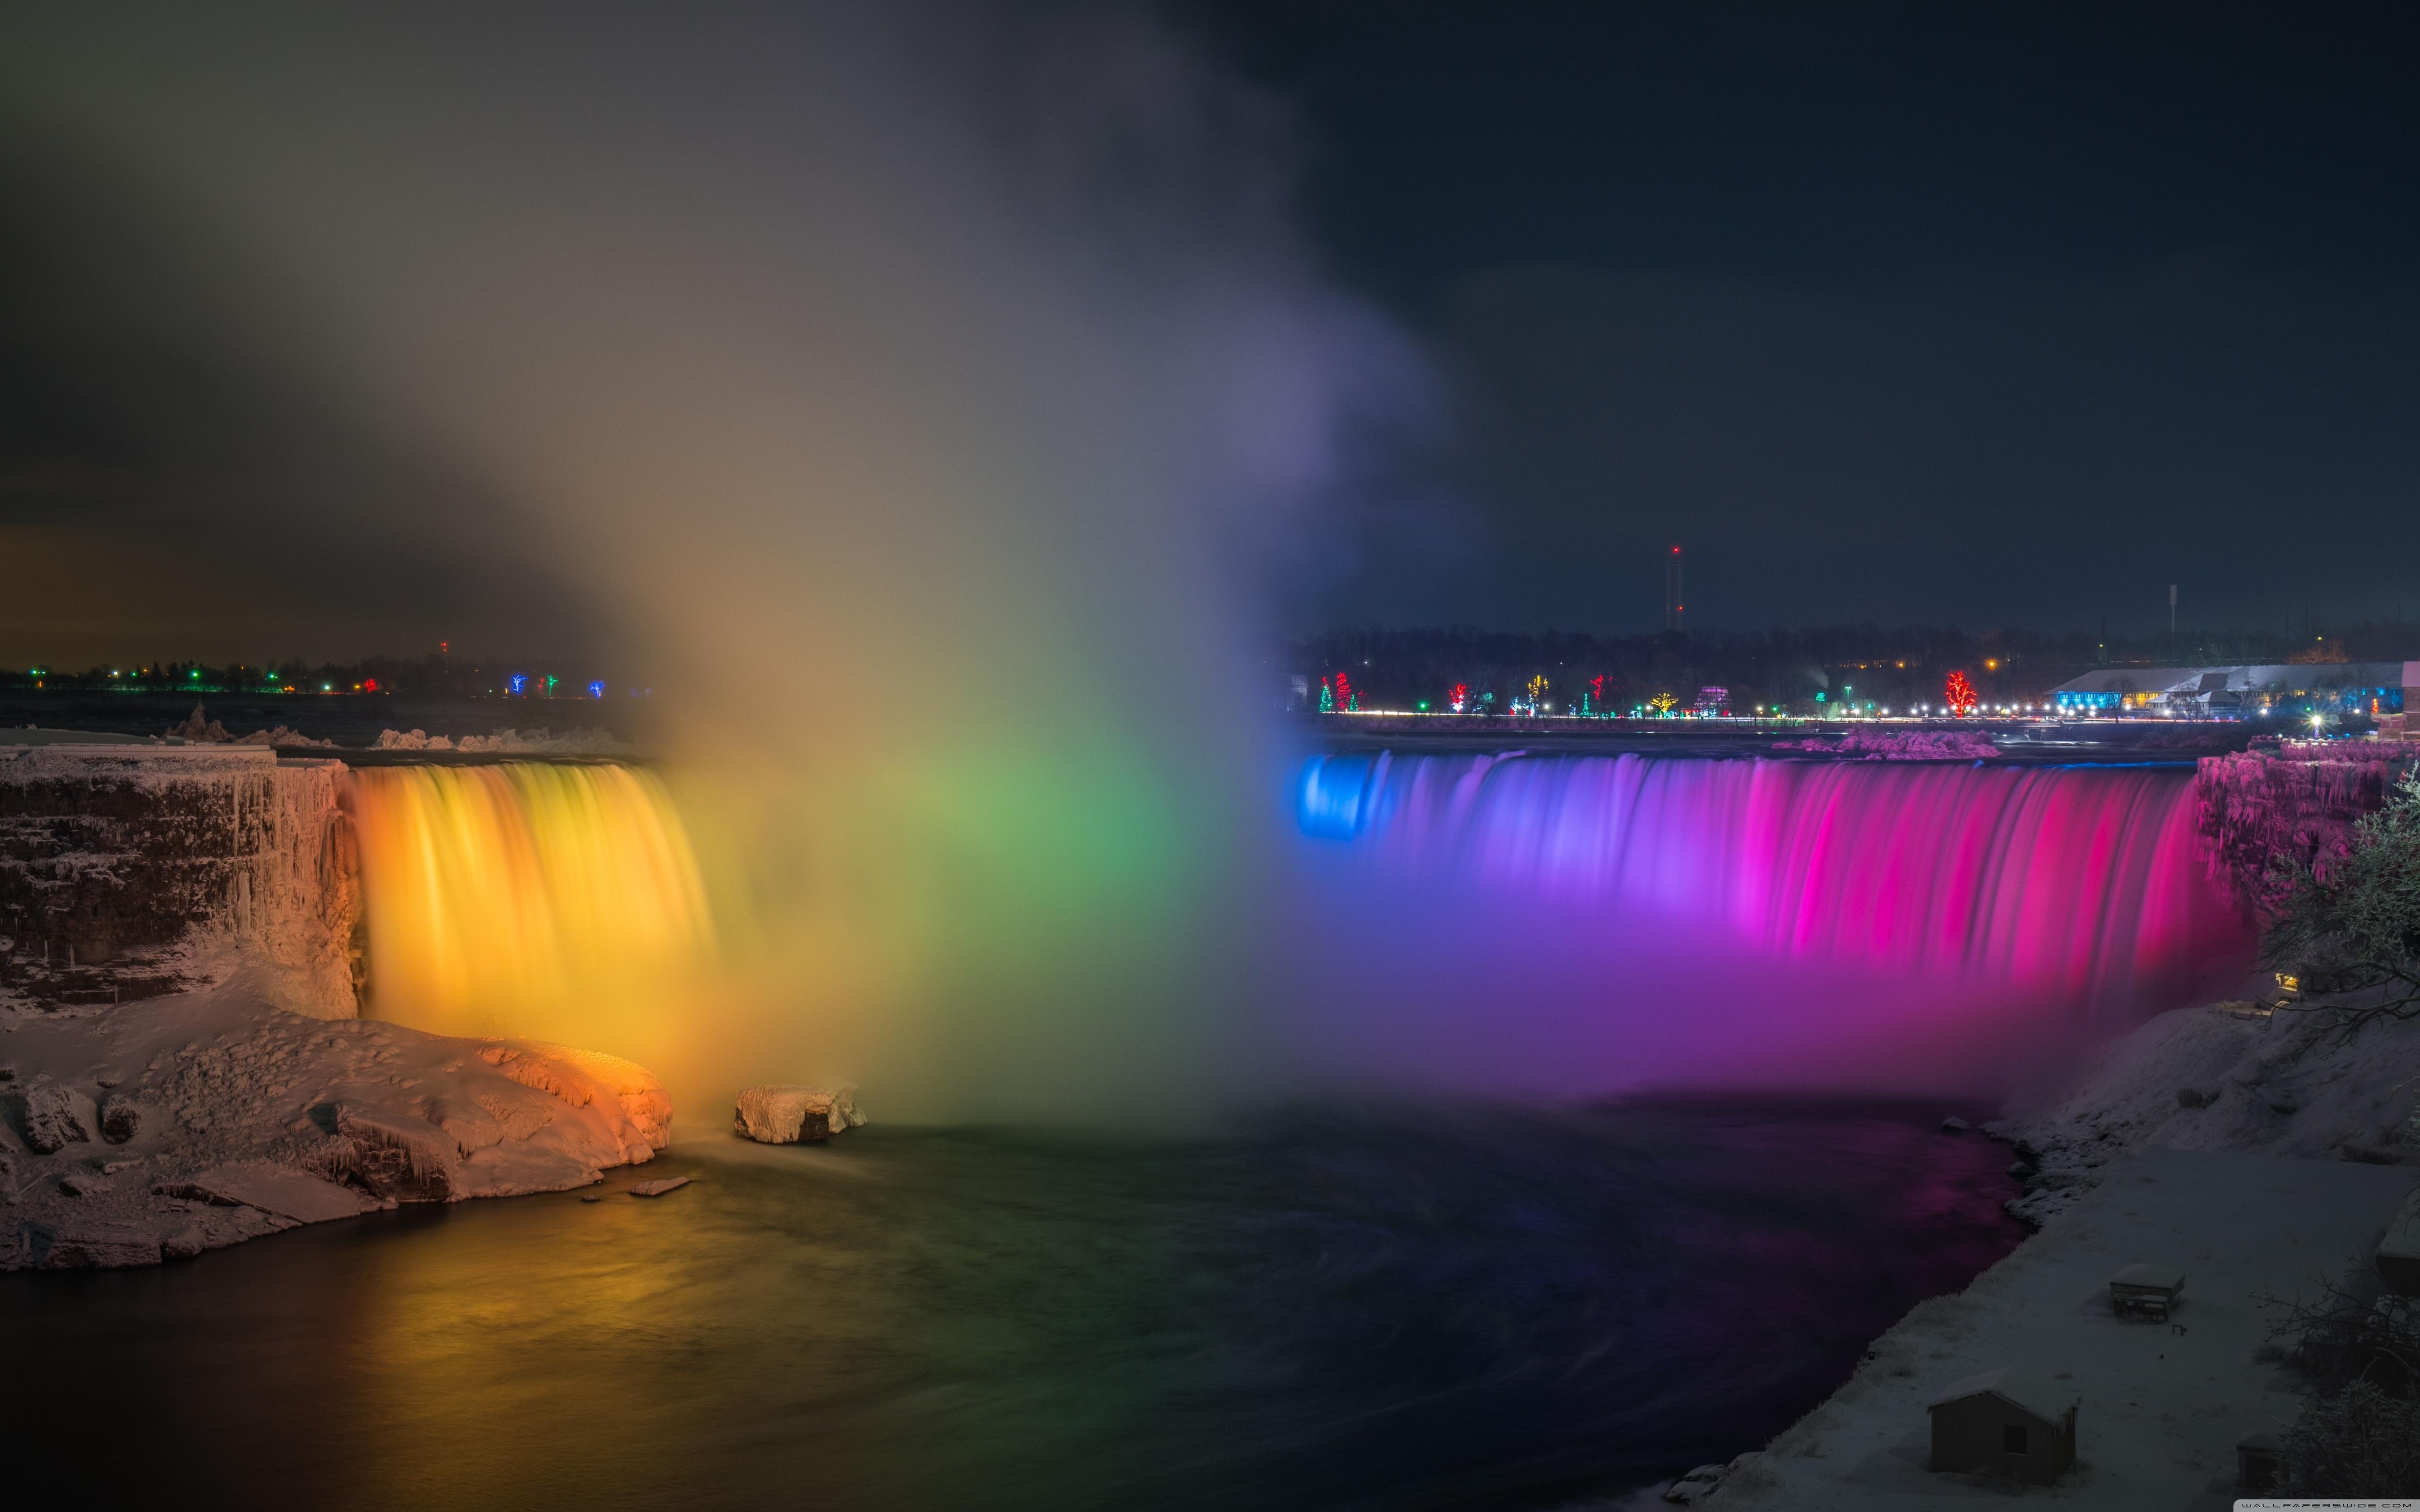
<point x="129" y="872"/>
<point x="2259" y="812"/>
<point x="165" y="914"/>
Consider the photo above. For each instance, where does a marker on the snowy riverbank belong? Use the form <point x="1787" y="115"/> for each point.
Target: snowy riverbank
<point x="155" y="1129"/>
<point x="2255" y="1152"/>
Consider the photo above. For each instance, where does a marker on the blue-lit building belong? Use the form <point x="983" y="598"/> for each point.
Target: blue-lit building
<point x="2343" y="688"/>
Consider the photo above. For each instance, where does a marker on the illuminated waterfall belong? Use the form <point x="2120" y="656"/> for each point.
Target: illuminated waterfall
<point x="557" y="901"/>
<point x="2086" y="882"/>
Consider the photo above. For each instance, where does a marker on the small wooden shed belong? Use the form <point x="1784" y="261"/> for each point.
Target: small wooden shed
<point x="2398" y="1253"/>
<point x="2014" y="1422"/>
<point x="2256" y="1456"/>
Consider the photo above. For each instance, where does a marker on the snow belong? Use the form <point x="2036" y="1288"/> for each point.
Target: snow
<point x="2289" y="1157"/>
<point x="2233" y="1079"/>
<point x="2163" y="1405"/>
<point x="1901" y="746"/>
<point x="251" y="1118"/>
<point x="279" y="1190"/>
<point x="508" y="741"/>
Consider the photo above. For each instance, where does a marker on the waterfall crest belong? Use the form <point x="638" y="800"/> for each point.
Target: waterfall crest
<point x="526" y="898"/>
<point x="2089" y="882"/>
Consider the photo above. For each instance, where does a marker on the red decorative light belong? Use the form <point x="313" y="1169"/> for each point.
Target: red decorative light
<point x="1959" y="695"/>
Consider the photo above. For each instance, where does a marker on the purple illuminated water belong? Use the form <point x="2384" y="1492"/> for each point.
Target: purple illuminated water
<point x="1634" y="919"/>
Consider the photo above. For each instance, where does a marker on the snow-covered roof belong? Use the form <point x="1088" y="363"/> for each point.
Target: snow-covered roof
<point x="2166" y="1278"/>
<point x="2246" y="678"/>
<point x="2022" y="1385"/>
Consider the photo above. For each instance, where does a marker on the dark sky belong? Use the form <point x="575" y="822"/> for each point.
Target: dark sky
<point x="1993" y="313"/>
<point x="2000" y="316"/>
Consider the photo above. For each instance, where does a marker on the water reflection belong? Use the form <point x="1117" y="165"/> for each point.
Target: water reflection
<point x="1374" y="1307"/>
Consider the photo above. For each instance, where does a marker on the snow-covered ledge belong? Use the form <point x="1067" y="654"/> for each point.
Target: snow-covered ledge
<point x="183" y="1123"/>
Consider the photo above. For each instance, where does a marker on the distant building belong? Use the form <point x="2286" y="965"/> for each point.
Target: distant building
<point x="2342" y="686"/>
<point x="2015" y="1423"/>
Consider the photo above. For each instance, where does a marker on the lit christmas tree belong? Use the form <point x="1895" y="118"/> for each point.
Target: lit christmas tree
<point x="1328" y="695"/>
<point x="1458" y="697"/>
<point x="1959" y="695"/>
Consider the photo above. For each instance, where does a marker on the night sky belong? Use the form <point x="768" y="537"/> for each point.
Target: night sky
<point x="1994" y="315"/>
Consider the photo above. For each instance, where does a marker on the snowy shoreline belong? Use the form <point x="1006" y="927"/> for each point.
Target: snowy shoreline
<point x="2246" y="1146"/>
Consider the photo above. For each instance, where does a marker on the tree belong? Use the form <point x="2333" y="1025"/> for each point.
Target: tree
<point x="1959" y="694"/>
<point x="2359" y="1356"/>
<point x="2350" y="927"/>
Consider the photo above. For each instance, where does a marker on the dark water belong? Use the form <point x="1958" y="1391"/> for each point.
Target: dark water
<point x="1376" y="1308"/>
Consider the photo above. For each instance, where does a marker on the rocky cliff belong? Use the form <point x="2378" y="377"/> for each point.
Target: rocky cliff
<point x="129" y="872"/>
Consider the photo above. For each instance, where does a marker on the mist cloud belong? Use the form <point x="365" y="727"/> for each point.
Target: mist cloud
<point x="904" y="388"/>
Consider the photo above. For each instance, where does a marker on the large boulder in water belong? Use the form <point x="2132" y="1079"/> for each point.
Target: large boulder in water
<point x="796" y="1115"/>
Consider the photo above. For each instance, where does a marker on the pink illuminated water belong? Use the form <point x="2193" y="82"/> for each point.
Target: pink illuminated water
<point x="1819" y="911"/>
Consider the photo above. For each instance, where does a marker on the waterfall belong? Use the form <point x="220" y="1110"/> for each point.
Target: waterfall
<point x="528" y="898"/>
<point x="2086" y="885"/>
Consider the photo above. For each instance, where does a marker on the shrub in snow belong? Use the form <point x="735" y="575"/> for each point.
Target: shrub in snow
<point x="2349" y="925"/>
<point x="2355" y="1441"/>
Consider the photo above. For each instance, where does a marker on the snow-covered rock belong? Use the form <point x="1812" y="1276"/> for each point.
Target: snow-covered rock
<point x="1703" y="1482"/>
<point x="413" y="740"/>
<point x="121" y="1118"/>
<point x="509" y="743"/>
<point x="57" y="1117"/>
<point x="255" y="1120"/>
<point x="789" y="1115"/>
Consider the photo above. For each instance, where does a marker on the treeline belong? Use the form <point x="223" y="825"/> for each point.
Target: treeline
<point x="433" y="675"/>
<point x="1896" y="666"/>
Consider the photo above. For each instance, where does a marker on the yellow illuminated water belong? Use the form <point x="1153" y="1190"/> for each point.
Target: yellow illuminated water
<point x="529" y="898"/>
